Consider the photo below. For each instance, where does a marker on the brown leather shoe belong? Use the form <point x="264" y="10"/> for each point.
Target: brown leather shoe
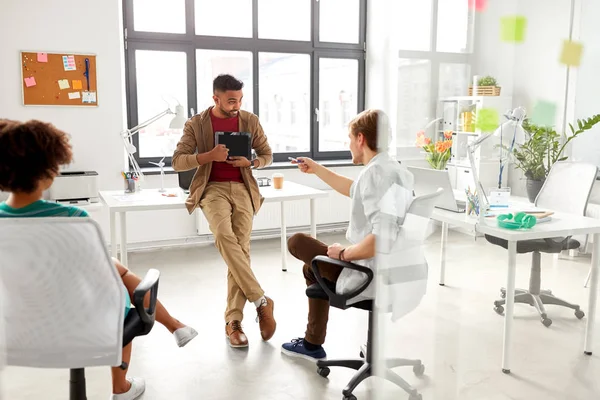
<point x="266" y="320"/>
<point x="235" y="334"/>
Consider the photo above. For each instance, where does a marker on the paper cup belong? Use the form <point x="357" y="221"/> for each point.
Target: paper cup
<point x="277" y="181"/>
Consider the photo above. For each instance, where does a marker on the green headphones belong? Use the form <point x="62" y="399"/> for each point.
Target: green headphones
<point x="520" y="221"/>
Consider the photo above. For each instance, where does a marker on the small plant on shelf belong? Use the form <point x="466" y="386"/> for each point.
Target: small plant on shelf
<point x="438" y="153"/>
<point x="487" y="81"/>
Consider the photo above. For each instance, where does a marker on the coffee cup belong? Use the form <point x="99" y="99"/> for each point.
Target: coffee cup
<point x="277" y="181"/>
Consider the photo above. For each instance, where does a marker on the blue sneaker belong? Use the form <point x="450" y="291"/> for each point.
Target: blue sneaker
<point x="296" y="349"/>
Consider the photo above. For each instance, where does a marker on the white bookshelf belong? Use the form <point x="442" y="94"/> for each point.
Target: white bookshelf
<point x="449" y="111"/>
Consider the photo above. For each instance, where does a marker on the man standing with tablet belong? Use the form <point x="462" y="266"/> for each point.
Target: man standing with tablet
<point x="224" y="188"/>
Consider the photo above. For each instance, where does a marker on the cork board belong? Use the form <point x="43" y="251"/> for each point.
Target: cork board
<point x="59" y="79"/>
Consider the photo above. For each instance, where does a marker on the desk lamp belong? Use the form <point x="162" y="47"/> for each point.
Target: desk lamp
<point x="177" y="122"/>
<point x="514" y="122"/>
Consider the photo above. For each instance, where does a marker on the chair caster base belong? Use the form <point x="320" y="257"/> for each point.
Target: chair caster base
<point x="546" y="322"/>
<point x="442" y="284"/>
<point x="419" y="370"/>
<point x="499" y="310"/>
<point x="579" y="314"/>
<point x="587" y="353"/>
<point x="506" y="371"/>
<point x="349" y="397"/>
<point x="323" y="371"/>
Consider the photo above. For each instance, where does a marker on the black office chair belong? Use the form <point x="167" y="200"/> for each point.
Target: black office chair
<point x="325" y="290"/>
<point x="139" y="322"/>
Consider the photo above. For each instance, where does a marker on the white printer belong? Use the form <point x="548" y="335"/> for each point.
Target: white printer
<point x="75" y="187"/>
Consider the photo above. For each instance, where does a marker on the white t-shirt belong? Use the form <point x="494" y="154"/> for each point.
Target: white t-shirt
<point x="381" y="175"/>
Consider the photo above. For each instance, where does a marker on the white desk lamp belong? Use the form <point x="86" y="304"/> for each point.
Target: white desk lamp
<point x="177" y="122"/>
<point x="515" y="121"/>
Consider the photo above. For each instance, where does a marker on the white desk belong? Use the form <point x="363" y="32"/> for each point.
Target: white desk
<point x="150" y="199"/>
<point x="560" y="226"/>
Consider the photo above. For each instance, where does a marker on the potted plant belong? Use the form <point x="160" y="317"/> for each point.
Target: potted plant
<point x="542" y="148"/>
<point x="486" y="86"/>
<point x="438" y="153"/>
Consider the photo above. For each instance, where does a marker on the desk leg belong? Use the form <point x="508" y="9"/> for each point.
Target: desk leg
<point x="283" y="239"/>
<point x="123" y="223"/>
<point x="313" y="218"/>
<point x="591" y="316"/>
<point x="443" y="254"/>
<point x="510" y="305"/>
<point x="113" y="234"/>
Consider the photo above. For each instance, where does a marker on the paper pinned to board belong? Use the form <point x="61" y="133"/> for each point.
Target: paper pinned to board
<point x="42" y="57"/>
<point x="513" y="28"/>
<point x="74" y="95"/>
<point x="69" y="63"/>
<point x="63" y="84"/>
<point x="77" y="85"/>
<point x="89" y="97"/>
<point x="29" y="82"/>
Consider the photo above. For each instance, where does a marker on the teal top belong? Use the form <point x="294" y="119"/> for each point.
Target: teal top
<point x="42" y="208"/>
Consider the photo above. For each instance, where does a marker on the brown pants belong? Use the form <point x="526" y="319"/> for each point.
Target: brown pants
<point x="228" y="209"/>
<point x="305" y="248"/>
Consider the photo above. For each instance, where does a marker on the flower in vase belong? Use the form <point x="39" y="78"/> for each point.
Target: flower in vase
<point x="447" y="134"/>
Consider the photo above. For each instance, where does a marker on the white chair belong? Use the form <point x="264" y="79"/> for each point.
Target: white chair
<point x="393" y="271"/>
<point x="63" y="300"/>
<point x="567" y="190"/>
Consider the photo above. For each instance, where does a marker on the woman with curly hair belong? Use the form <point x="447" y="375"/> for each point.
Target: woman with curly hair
<point x="31" y="154"/>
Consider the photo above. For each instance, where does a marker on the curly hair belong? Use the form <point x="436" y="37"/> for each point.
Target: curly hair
<point x="30" y="152"/>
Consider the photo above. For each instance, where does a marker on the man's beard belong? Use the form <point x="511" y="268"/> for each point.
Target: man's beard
<point x="230" y="114"/>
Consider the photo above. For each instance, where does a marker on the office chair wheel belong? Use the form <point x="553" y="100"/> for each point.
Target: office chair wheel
<point x="415" y="396"/>
<point x="499" y="310"/>
<point x="547" y="322"/>
<point x="351" y="397"/>
<point x="323" y="371"/>
<point x="362" y="355"/>
<point x="579" y="314"/>
<point x="419" y="370"/>
<point x="503" y="294"/>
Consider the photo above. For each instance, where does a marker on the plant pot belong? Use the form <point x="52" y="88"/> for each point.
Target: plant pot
<point x="533" y="188"/>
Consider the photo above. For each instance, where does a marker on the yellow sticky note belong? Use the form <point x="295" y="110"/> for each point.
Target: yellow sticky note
<point x="512" y="29"/>
<point x="63" y="84"/>
<point x="571" y="53"/>
<point x="77" y="84"/>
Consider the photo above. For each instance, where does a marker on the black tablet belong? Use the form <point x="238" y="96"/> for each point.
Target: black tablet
<point x="238" y="143"/>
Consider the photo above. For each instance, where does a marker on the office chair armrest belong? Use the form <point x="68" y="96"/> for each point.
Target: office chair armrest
<point x="148" y="284"/>
<point x="342" y="264"/>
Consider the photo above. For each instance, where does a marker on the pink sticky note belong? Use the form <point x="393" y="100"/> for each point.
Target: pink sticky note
<point x="42" y="57"/>
<point x="478" y="5"/>
<point x="30" y="81"/>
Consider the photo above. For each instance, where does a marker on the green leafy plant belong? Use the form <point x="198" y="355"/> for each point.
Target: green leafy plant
<point x="544" y="146"/>
<point x="487" y="81"/>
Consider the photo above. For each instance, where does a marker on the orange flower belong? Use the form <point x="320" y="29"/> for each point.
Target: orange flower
<point x="440" y="147"/>
<point x="447" y="134"/>
<point x="427" y="141"/>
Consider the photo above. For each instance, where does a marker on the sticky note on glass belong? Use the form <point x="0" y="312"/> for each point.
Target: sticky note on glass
<point x="77" y="84"/>
<point x="488" y="120"/>
<point x="74" y="95"/>
<point x="478" y="5"/>
<point x="63" y="84"/>
<point x="544" y="113"/>
<point x="512" y="29"/>
<point x="571" y="53"/>
<point x="42" y="57"/>
<point x="69" y="63"/>
<point x="89" y="97"/>
<point x="29" y="82"/>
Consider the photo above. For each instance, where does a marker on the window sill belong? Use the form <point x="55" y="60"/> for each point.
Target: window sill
<point x="276" y="165"/>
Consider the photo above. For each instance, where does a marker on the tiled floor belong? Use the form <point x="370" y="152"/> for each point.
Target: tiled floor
<point x="454" y="331"/>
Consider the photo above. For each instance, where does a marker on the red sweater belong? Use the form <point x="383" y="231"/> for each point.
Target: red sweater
<point x="221" y="171"/>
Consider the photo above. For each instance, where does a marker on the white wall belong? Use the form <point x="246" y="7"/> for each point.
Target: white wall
<point x="587" y="96"/>
<point x="88" y="26"/>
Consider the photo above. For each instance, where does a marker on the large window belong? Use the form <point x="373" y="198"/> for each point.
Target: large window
<point x="301" y="61"/>
<point x="435" y="39"/>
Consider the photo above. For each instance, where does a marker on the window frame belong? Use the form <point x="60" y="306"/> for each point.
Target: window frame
<point x="190" y="42"/>
<point x="436" y="58"/>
